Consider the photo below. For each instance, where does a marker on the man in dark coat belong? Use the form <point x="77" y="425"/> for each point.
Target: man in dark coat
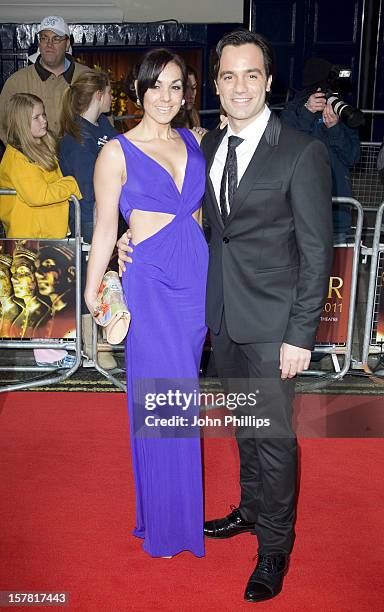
<point x="268" y="206"/>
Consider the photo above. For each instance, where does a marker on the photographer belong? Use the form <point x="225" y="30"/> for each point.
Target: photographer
<point x="310" y="112"/>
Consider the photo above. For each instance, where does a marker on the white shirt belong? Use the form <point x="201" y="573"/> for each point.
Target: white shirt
<point x="244" y="152"/>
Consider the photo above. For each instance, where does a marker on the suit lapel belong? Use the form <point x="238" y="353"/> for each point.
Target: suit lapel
<point x="210" y="156"/>
<point x="258" y="163"/>
<point x="255" y="169"/>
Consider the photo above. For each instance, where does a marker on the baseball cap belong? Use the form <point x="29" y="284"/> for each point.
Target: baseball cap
<point x="55" y="24"/>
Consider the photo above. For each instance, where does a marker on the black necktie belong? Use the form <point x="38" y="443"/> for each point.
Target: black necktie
<point x="230" y="171"/>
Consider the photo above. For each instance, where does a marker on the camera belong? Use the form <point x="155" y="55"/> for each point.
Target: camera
<point x="337" y="84"/>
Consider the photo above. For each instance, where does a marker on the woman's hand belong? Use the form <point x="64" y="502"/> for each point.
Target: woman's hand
<point x="123" y="249"/>
<point x="91" y="302"/>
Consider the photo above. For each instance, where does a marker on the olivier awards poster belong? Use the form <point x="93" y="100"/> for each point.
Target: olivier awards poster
<point x="37" y="289"/>
<point x="380" y="306"/>
<point x="333" y="327"/>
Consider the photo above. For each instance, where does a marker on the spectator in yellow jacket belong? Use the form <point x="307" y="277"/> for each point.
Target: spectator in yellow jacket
<point x="29" y="165"/>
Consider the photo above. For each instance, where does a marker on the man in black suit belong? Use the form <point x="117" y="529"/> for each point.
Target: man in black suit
<point x="268" y="206"/>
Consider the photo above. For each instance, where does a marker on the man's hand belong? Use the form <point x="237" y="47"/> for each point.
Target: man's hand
<point x="199" y="130"/>
<point x="223" y="121"/>
<point x="124" y="248"/>
<point x="293" y="360"/>
<point x="316" y="102"/>
<point x="329" y="117"/>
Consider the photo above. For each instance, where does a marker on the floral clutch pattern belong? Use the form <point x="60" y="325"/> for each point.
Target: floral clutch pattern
<point x="111" y="311"/>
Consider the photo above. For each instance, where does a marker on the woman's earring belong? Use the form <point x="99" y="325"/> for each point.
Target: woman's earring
<point x="138" y="102"/>
<point x="182" y="102"/>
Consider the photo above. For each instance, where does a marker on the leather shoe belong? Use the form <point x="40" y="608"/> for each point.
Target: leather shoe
<point x="228" y="526"/>
<point x="267" y="579"/>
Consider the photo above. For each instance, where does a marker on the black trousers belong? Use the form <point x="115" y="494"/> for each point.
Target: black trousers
<point x="268" y="455"/>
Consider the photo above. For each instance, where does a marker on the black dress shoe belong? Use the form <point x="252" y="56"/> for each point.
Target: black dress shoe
<point x="267" y="579"/>
<point x="228" y="526"/>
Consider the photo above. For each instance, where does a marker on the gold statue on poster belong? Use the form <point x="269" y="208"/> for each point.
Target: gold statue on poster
<point x="34" y="313"/>
<point x="37" y="289"/>
<point x="9" y="310"/>
<point x="55" y="275"/>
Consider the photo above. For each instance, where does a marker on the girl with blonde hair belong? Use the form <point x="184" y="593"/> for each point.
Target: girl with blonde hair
<point x="29" y="165"/>
<point x="40" y="207"/>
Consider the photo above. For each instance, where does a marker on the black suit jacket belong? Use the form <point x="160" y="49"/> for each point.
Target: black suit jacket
<point x="269" y="266"/>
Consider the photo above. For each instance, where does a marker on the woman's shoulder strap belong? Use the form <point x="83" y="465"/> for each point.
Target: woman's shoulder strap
<point x="188" y="136"/>
<point x="123" y="141"/>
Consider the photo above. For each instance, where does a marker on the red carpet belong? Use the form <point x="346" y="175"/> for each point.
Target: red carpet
<point x="67" y="509"/>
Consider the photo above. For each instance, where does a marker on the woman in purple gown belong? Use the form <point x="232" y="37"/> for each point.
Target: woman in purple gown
<point x="157" y="176"/>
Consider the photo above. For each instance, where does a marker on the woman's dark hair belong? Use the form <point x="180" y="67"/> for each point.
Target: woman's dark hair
<point x="191" y="70"/>
<point x="243" y="37"/>
<point x="148" y="70"/>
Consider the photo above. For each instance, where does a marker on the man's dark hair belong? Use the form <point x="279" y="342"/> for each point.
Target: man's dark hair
<point x="148" y="71"/>
<point x="243" y="37"/>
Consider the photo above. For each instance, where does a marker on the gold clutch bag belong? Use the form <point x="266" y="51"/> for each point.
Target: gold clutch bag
<point x="111" y="311"/>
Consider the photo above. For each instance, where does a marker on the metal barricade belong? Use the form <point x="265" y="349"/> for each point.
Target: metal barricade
<point x="366" y="185"/>
<point x="334" y="349"/>
<point x="344" y="348"/>
<point x="96" y="345"/>
<point x="371" y="342"/>
<point x="70" y="344"/>
<point x="98" y="367"/>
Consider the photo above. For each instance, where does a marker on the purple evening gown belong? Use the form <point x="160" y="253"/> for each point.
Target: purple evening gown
<point x="165" y="290"/>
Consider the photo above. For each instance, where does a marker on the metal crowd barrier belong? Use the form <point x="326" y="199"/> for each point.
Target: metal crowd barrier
<point x="98" y="367"/>
<point x="371" y="343"/>
<point x="335" y="349"/>
<point x="366" y="184"/>
<point x="96" y="345"/>
<point x="69" y="344"/>
<point x="344" y="348"/>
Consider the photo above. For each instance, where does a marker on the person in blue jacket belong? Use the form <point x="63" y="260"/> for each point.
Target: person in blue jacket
<point x="309" y="112"/>
<point x="85" y="129"/>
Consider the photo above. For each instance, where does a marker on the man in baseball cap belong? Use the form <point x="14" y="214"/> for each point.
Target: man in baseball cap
<point x="53" y="44"/>
<point x="53" y="69"/>
<point x="54" y="24"/>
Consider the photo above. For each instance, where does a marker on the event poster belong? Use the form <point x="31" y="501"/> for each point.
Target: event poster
<point x="333" y="327"/>
<point x="37" y="289"/>
<point x="380" y="306"/>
